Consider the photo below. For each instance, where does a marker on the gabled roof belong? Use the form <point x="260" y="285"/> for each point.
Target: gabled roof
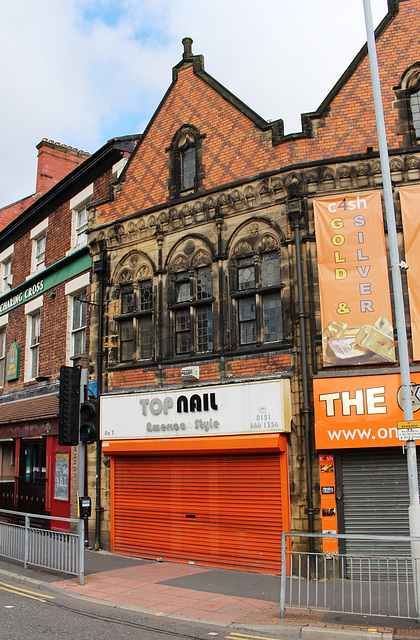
<point x="74" y="182"/>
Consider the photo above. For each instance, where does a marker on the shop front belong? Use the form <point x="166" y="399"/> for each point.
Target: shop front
<point x="362" y="461"/>
<point x="200" y="475"/>
<point x="34" y="469"/>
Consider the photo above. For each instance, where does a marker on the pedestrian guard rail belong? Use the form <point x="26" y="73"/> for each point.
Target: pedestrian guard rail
<point x="365" y="583"/>
<point x="22" y="538"/>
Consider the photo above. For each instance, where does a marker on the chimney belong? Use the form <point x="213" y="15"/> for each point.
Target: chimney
<point x="55" y="161"/>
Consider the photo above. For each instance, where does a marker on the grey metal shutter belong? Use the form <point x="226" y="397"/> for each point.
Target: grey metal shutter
<point x="375" y="499"/>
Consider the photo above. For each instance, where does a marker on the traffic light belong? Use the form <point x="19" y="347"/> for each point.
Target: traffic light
<point x="89" y="421"/>
<point x="68" y="406"/>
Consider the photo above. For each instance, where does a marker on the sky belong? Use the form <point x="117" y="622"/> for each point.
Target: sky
<point x="81" y="72"/>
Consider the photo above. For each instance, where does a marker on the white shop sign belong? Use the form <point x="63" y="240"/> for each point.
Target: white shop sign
<point x="250" y="408"/>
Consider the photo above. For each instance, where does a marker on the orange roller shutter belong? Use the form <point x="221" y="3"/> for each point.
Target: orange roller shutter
<point x="215" y="510"/>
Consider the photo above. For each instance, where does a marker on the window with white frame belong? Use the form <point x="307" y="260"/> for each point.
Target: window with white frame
<point x="80" y="217"/>
<point x="33" y="337"/>
<point x="39" y="237"/>
<point x="6" y="277"/>
<point x="78" y="328"/>
<point x="2" y="355"/>
<point x="40" y="252"/>
<point x="35" y="333"/>
<point x="76" y="291"/>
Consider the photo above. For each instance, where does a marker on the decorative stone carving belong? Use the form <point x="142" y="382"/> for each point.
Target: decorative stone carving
<point x="243" y="248"/>
<point x="144" y="273"/>
<point x="180" y="263"/>
<point x="268" y="243"/>
<point x="201" y="257"/>
<point x="125" y="277"/>
<point x="189" y="247"/>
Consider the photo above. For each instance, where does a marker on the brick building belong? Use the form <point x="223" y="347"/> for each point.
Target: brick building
<point x="44" y="312"/>
<point x="217" y="362"/>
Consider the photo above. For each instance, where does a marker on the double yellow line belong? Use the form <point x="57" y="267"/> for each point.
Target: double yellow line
<point x="241" y="636"/>
<point x="24" y="592"/>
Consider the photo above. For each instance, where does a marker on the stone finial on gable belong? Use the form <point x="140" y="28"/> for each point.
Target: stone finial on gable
<point x="187" y="42"/>
<point x="187" y="58"/>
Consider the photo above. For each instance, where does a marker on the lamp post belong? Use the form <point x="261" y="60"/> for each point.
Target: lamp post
<point x="395" y="267"/>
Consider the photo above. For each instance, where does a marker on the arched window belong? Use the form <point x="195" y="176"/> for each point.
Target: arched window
<point x="415" y="111"/>
<point x="191" y="308"/>
<point x="257" y="312"/>
<point x="186" y="170"/>
<point x="407" y="105"/>
<point x="136" y="321"/>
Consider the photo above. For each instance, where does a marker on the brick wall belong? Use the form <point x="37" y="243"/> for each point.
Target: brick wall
<point x="234" y="148"/>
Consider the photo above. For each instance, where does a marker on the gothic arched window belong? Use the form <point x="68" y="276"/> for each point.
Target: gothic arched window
<point x="186" y="170"/>
<point x="256" y="288"/>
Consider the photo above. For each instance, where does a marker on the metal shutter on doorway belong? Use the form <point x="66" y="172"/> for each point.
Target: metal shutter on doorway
<point x="218" y="510"/>
<point x="375" y="499"/>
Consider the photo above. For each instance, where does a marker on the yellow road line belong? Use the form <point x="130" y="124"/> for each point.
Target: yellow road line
<point x="25" y="595"/>
<point x="24" y="592"/>
<point x="241" y="636"/>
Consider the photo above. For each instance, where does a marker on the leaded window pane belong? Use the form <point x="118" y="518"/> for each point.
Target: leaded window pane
<point x="204" y="324"/>
<point x="415" y="111"/>
<point x="183" y="331"/>
<point x="204" y="284"/>
<point x="246" y="274"/>
<point x="188" y="168"/>
<point x="247" y="321"/>
<point x="272" y="318"/>
<point x="127" y="340"/>
<point x="183" y="291"/>
<point x="145" y="332"/>
<point x="146" y="295"/>
<point x="128" y="300"/>
<point x="270" y="269"/>
<point x="246" y="309"/>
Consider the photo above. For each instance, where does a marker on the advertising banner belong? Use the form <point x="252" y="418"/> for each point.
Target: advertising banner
<point x="355" y="412"/>
<point x="252" y="408"/>
<point x="353" y="280"/>
<point x="410" y="209"/>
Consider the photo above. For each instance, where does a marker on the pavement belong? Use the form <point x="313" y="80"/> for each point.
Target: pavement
<point x="233" y="599"/>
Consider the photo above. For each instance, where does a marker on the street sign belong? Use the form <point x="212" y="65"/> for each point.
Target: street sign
<point x="408" y="430"/>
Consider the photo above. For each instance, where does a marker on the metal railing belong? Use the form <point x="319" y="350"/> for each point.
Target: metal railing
<point x="364" y="583"/>
<point x="57" y="551"/>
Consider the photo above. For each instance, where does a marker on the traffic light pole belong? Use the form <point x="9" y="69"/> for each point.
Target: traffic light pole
<point x="81" y="455"/>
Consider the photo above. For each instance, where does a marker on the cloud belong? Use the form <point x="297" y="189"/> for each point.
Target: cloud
<point x="83" y="71"/>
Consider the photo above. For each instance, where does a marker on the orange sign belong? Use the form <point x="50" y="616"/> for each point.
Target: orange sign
<point x="410" y="206"/>
<point x="353" y="280"/>
<point x="328" y="502"/>
<point x="360" y="411"/>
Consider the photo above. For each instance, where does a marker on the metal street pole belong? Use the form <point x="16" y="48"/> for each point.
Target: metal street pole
<point x="413" y="483"/>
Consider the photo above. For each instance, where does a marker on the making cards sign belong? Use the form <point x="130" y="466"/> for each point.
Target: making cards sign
<point x="353" y="280"/>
